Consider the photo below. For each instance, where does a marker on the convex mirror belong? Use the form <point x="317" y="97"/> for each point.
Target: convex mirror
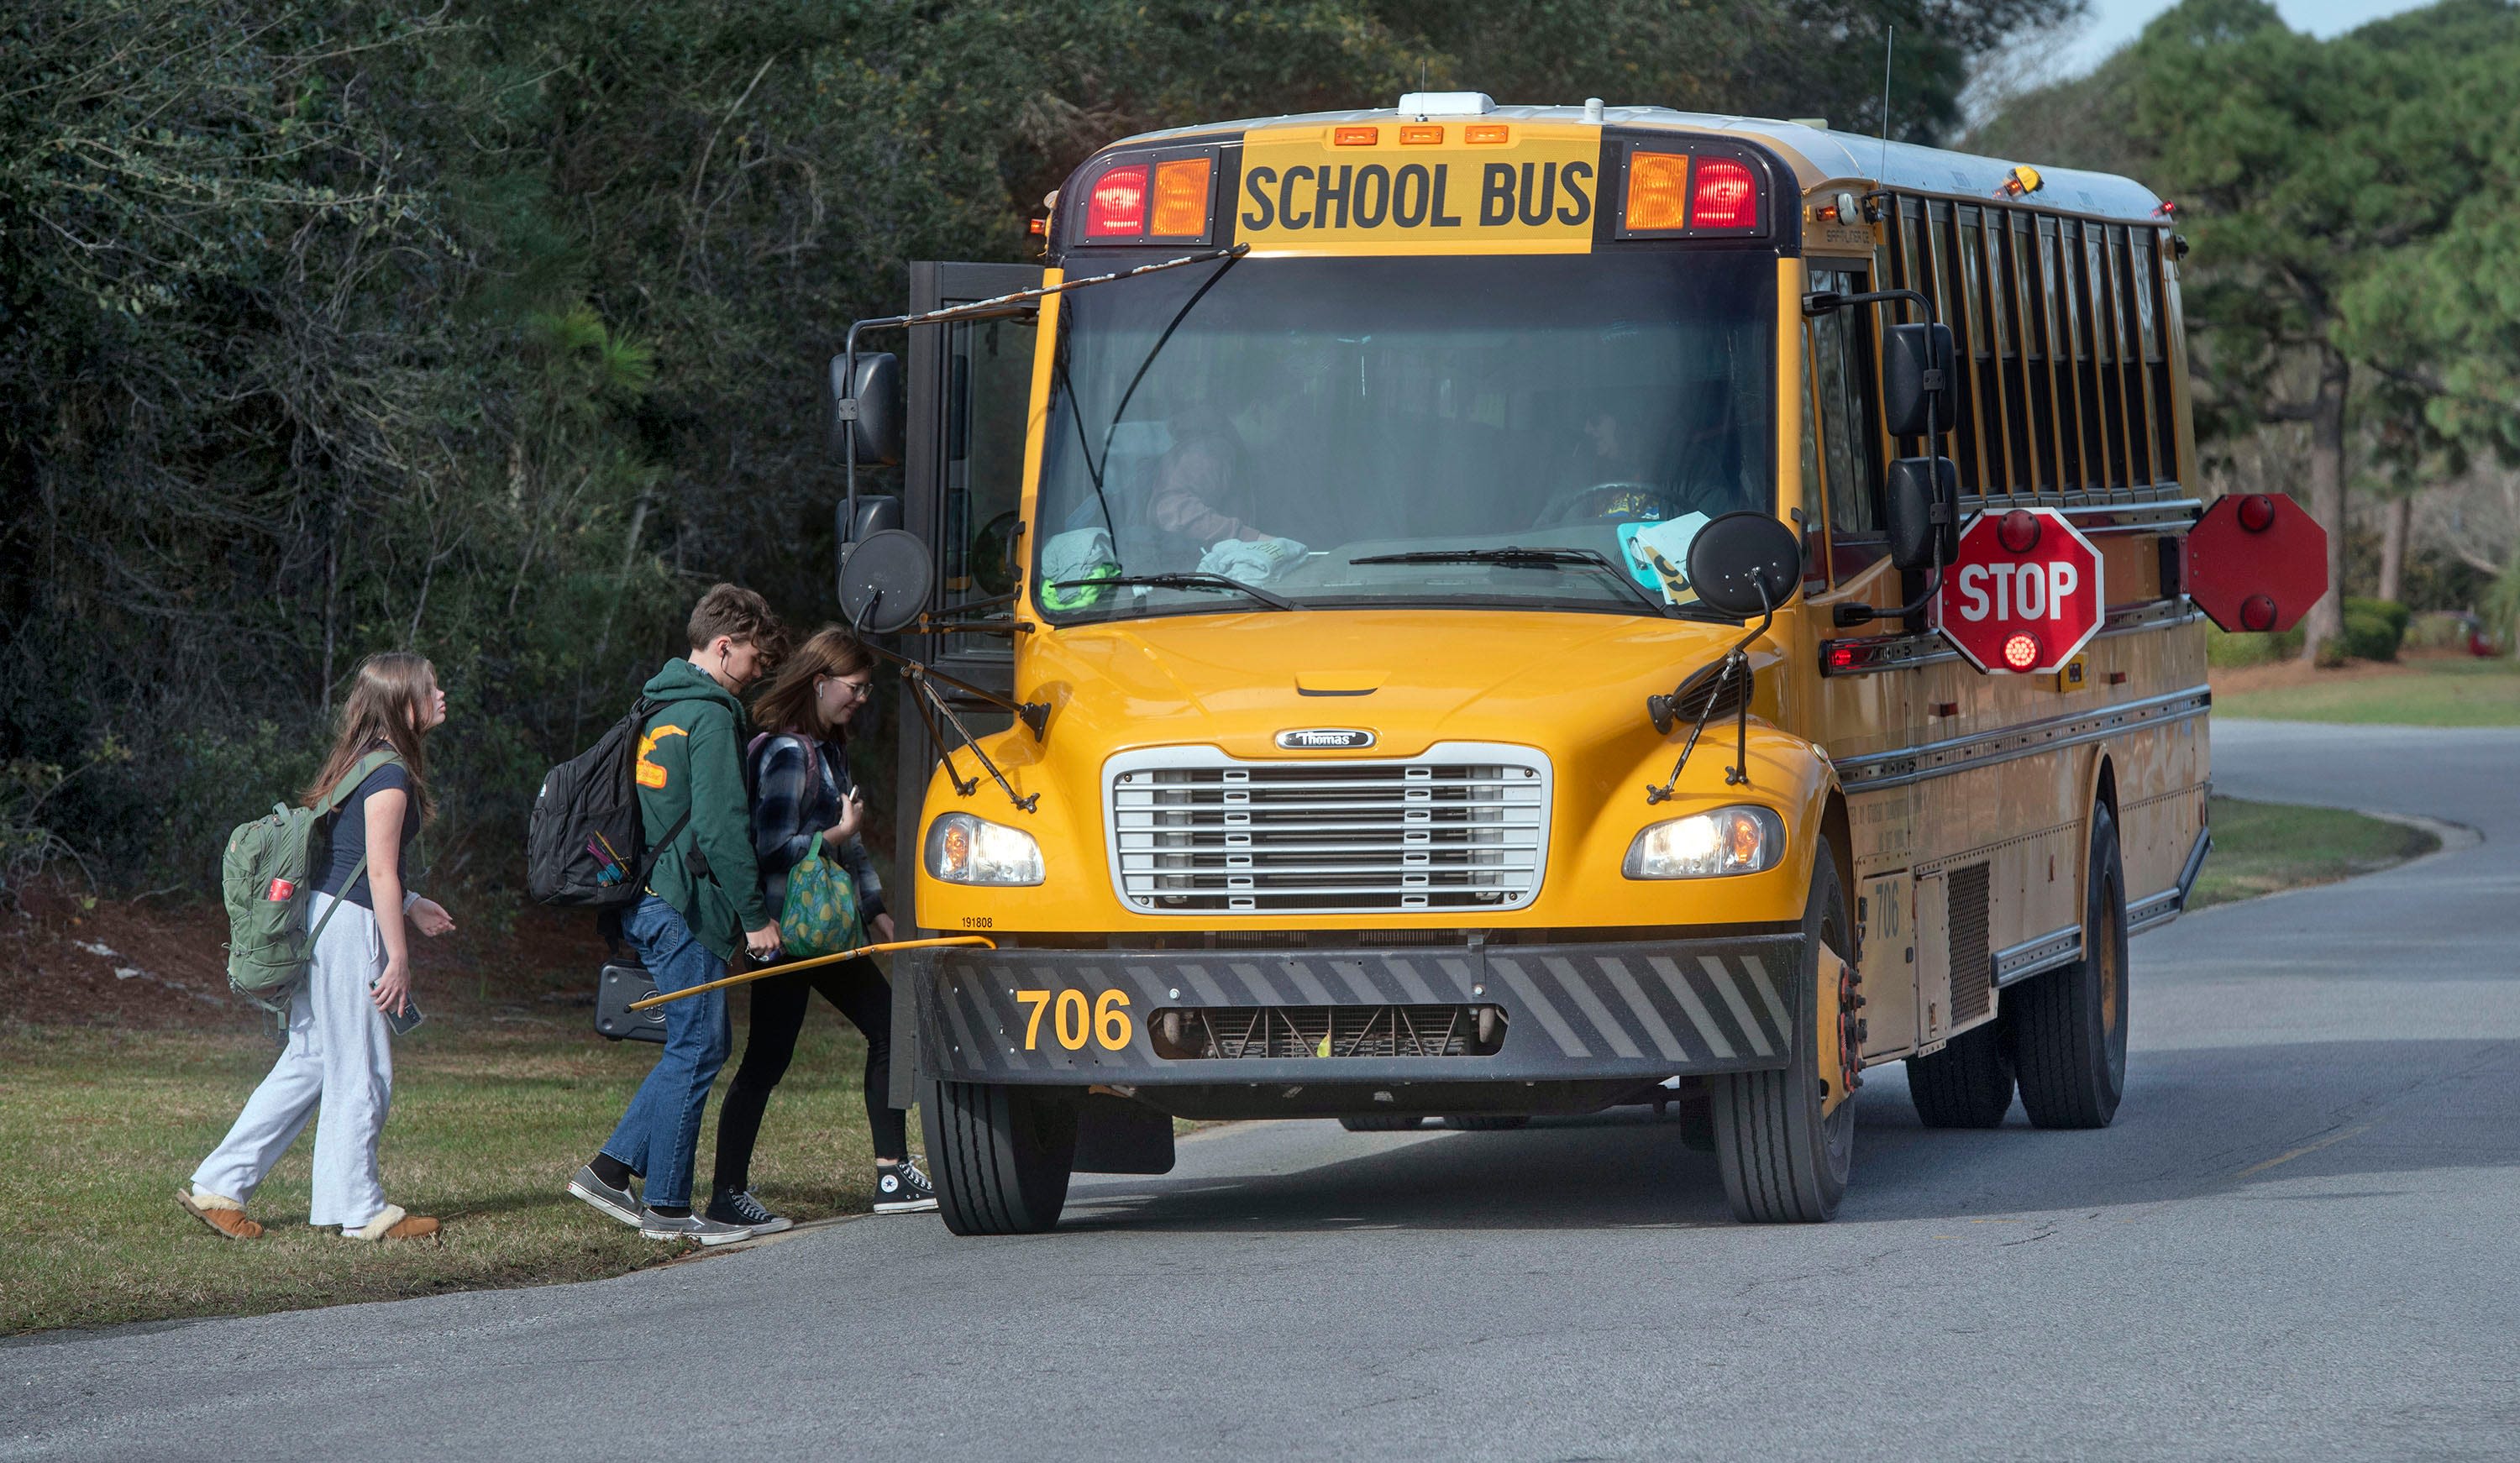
<point x="886" y="580"/>
<point x="880" y="406"/>
<point x="1917" y="381"/>
<point x="1745" y="563"/>
<point x="1924" y="496"/>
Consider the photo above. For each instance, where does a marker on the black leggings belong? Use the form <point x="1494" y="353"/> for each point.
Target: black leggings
<point x="862" y="995"/>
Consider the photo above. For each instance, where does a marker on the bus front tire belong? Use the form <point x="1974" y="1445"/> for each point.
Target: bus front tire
<point x="1968" y="1084"/>
<point x="2068" y="1028"/>
<point x="1782" y="1161"/>
<point x="1000" y="1155"/>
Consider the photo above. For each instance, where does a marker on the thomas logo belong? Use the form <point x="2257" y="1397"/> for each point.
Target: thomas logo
<point x="1324" y="740"/>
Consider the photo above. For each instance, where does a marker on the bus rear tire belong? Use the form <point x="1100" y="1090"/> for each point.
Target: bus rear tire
<point x="1381" y="1122"/>
<point x="1783" y="1162"/>
<point x="1485" y="1121"/>
<point x="1968" y="1084"/>
<point x="2069" y="1025"/>
<point x="1002" y="1156"/>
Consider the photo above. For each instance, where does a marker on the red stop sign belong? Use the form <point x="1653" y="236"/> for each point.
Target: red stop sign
<point x="2024" y="593"/>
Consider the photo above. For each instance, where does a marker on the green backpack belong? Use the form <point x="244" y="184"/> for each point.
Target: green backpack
<point x="264" y="876"/>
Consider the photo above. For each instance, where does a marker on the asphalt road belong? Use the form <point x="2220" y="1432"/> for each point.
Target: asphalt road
<point x="2297" y="1240"/>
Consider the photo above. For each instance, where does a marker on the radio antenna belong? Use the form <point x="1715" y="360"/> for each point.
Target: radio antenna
<point x="1889" y="46"/>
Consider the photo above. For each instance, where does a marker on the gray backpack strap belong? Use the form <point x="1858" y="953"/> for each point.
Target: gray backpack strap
<point x="339" y="900"/>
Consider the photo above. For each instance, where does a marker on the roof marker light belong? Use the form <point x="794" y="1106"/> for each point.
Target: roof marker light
<point x="1421" y="136"/>
<point x="1355" y="137"/>
<point x="1482" y="134"/>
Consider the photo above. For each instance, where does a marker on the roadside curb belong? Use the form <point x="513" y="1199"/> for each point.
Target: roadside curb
<point x="757" y="1242"/>
<point x="2456" y="838"/>
<point x="2453" y="836"/>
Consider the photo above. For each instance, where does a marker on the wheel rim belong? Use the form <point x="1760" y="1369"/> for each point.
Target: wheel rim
<point x="2109" y="960"/>
<point x="1837" y="1129"/>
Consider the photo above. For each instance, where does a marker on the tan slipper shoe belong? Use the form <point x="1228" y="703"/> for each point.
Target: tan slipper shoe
<point x="394" y="1223"/>
<point x="222" y="1213"/>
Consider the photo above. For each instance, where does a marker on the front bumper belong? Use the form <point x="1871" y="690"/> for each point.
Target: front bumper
<point x="1574" y="1011"/>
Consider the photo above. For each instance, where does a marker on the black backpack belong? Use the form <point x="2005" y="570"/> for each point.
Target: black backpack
<point x="584" y="847"/>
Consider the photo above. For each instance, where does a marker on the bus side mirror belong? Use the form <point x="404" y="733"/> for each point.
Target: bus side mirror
<point x="872" y="407"/>
<point x="1925" y="504"/>
<point x="885" y="581"/>
<point x="1745" y="563"/>
<point x="1918" y="379"/>
<point x="876" y="513"/>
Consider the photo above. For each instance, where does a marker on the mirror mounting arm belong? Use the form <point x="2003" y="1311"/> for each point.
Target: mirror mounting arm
<point x="1737" y="663"/>
<point x="1849" y="616"/>
<point x="932" y="704"/>
<point x="1822" y="301"/>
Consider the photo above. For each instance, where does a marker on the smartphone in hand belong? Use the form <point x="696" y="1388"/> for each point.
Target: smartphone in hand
<point x="404" y="1021"/>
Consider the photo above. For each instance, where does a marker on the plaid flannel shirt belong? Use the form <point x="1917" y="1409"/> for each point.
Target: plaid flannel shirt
<point x="790" y="809"/>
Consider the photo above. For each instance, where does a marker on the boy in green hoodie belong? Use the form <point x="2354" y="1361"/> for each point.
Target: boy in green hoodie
<point x="702" y="902"/>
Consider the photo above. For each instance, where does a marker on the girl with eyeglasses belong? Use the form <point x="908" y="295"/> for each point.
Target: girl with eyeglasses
<point x="805" y="822"/>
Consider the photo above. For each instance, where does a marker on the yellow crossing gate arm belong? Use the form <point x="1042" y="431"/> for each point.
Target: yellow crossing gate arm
<point x="983" y="941"/>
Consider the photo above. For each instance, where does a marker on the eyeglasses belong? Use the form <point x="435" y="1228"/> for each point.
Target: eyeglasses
<point x="858" y="690"/>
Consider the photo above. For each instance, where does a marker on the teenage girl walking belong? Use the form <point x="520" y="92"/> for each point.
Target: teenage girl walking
<point x="339" y="1058"/>
<point x="803" y="807"/>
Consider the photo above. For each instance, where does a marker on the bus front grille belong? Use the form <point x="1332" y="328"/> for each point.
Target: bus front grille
<point x="1463" y="828"/>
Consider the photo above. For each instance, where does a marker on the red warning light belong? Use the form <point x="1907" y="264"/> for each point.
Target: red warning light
<point x="2021" y="650"/>
<point x="1117" y="206"/>
<point x="1727" y="197"/>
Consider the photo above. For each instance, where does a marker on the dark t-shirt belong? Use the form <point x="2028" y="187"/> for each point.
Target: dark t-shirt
<point x="351" y="835"/>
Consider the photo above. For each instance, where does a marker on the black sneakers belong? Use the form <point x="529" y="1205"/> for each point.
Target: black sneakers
<point x="738" y="1207"/>
<point x="903" y="1189"/>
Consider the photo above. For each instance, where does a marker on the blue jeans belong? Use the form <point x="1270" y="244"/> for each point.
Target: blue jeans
<point x="662" y="1125"/>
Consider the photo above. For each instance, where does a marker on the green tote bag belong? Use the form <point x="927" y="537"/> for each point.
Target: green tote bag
<point x="821" y="916"/>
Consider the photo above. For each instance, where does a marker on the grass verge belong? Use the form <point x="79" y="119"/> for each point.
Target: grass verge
<point x="2429" y="692"/>
<point x="2259" y="848"/>
<point x="100" y="1127"/>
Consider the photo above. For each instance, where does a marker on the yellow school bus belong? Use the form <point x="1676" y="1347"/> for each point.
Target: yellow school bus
<point x="1317" y="682"/>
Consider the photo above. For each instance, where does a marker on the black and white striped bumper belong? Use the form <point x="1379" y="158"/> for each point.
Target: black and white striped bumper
<point x="1646" y="1010"/>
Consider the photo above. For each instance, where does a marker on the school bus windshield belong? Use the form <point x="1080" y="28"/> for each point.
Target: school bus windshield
<point x="1305" y="414"/>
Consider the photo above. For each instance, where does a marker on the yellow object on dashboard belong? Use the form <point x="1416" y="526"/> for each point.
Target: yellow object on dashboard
<point x="1309" y="188"/>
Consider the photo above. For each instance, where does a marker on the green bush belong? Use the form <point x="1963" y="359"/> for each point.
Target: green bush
<point x="2230" y="650"/>
<point x="2436" y="630"/>
<point x="2373" y="628"/>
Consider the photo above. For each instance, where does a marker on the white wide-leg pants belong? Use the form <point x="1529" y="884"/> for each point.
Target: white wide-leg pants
<point x="338" y="1058"/>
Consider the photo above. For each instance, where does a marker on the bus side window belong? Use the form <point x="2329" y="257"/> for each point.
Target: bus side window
<point x="1841" y="353"/>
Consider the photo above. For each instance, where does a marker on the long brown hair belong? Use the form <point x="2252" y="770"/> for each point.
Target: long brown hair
<point x="387" y="699"/>
<point x="788" y="704"/>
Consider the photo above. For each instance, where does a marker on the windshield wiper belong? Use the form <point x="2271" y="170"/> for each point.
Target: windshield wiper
<point x="1192" y="580"/>
<point x="1511" y="554"/>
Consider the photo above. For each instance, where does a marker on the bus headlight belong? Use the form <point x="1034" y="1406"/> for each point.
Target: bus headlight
<point x="966" y="850"/>
<point x="1708" y="845"/>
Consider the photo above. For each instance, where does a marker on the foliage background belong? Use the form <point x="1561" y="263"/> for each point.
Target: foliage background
<point x="494" y="329"/>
